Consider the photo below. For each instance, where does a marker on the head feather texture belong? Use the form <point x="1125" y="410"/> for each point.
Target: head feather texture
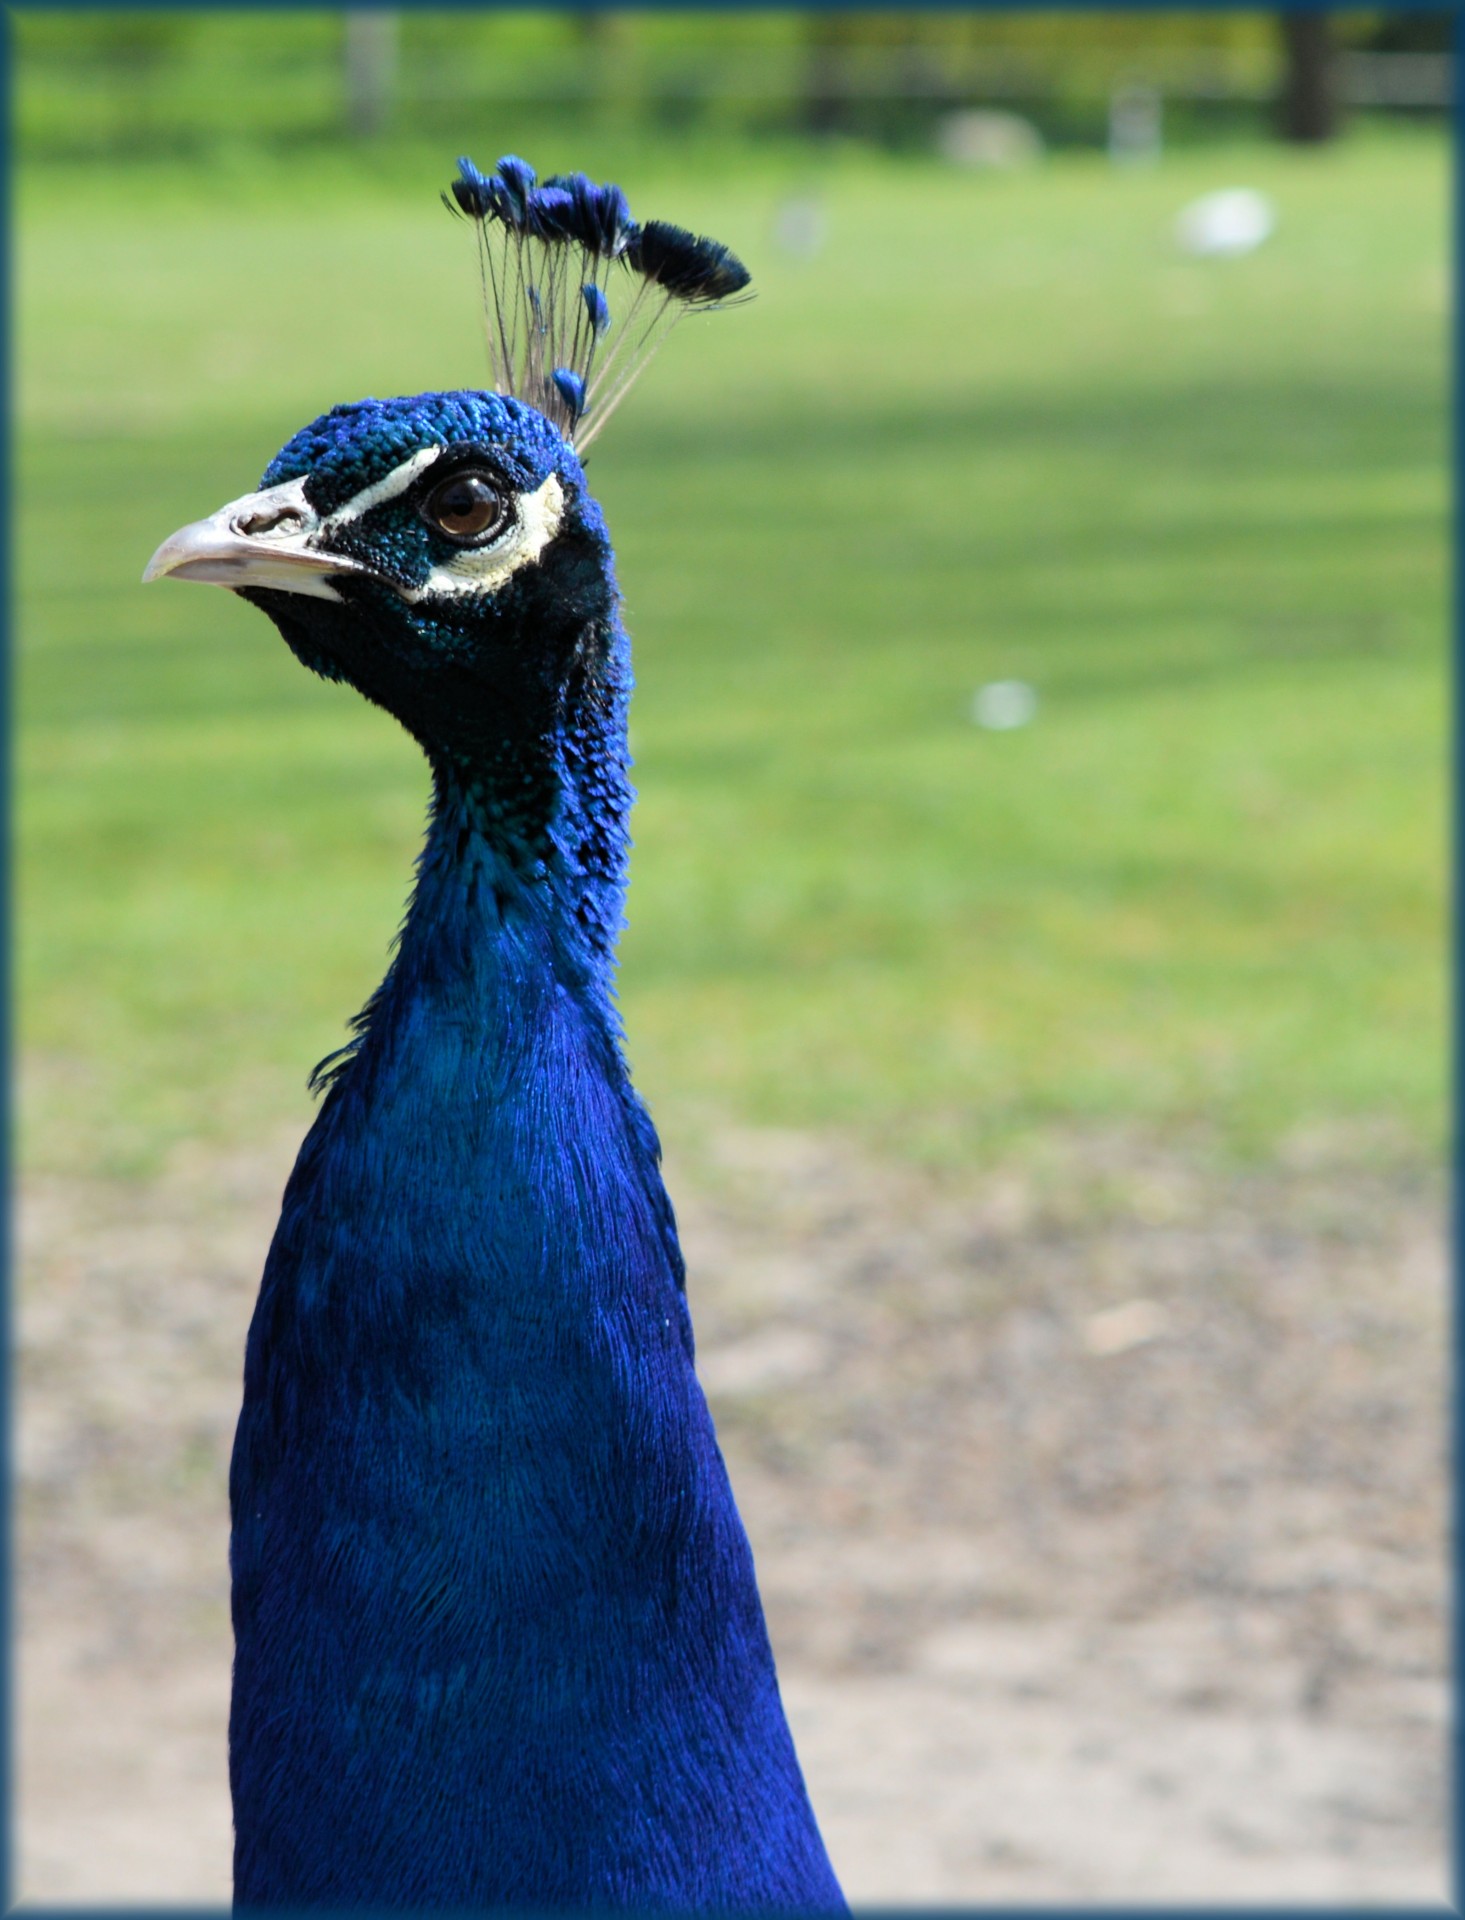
<point x="577" y="295"/>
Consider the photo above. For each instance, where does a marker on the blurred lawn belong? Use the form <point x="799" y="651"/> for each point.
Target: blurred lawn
<point x="994" y="428"/>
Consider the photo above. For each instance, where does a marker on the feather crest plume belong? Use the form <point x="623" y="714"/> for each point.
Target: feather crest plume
<point x="577" y="294"/>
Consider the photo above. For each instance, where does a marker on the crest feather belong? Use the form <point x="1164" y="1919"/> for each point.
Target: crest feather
<point x="577" y="295"/>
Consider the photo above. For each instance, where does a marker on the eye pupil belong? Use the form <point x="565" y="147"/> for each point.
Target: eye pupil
<point x="465" y="507"/>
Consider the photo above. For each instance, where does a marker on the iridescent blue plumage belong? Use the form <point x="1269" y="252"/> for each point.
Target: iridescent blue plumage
<point x="597" y="307"/>
<point x="498" y="1635"/>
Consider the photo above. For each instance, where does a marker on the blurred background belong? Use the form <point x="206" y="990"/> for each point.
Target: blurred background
<point x="1035" y="959"/>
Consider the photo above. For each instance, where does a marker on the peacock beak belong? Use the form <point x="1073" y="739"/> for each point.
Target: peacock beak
<point x="262" y="540"/>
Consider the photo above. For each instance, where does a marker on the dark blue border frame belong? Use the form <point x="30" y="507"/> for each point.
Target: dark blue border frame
<point x="1457" y="925"/>
<point x="7" y="1402"/>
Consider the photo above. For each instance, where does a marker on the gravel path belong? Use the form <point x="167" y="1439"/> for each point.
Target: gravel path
<point x="1098" y="1509"/>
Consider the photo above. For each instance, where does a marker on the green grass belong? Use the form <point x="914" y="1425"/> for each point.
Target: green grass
<point x="996" y="428"/>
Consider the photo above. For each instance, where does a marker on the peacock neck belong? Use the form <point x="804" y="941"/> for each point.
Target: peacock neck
<point x="485" y="1093"/>
<point x="484" y="879"/>
<point x="529" y="817"/>
<point x="504" y="936"/>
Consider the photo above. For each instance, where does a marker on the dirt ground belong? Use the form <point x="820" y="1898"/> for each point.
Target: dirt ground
<point x="1098" y="1510"/>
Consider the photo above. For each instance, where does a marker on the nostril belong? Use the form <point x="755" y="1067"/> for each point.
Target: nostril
<point x="273" y="520"/>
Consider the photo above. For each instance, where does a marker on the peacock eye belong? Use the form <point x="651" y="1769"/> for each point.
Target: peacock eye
<point x="469" y="507"/>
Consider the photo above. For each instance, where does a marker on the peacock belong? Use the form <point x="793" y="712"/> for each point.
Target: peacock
<point x="498" y="1636"/>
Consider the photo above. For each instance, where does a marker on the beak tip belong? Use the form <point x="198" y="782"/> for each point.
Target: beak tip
<point x="164" y="560"/>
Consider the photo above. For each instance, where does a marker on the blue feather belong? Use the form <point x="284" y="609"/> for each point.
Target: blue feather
<point x="602" y="219"/>
<point x="597" y="306"/>
<point x="549" y="213"/>
<point x="516" y="177"/>
<point x="690" y="268"/>
<point x="571" y="389"/>
<point x="472" y="190"/>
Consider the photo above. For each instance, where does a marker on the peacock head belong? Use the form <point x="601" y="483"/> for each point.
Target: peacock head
<point x="442" y="553"/>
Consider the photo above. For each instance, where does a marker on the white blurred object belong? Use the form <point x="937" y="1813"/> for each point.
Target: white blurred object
<point x="1004" y="704"/>
<point x="800" y="226"/>
<point x="977" y="137"/>
<point x="1118" y="1329"/>
<point x="1235" y="220"/>
<point x="1136" y="119"/>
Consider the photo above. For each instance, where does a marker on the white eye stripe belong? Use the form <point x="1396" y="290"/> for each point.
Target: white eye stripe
<point x="482" y="569"/>
<point x="387" y="488"/>
<point x="477" y="569"/>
